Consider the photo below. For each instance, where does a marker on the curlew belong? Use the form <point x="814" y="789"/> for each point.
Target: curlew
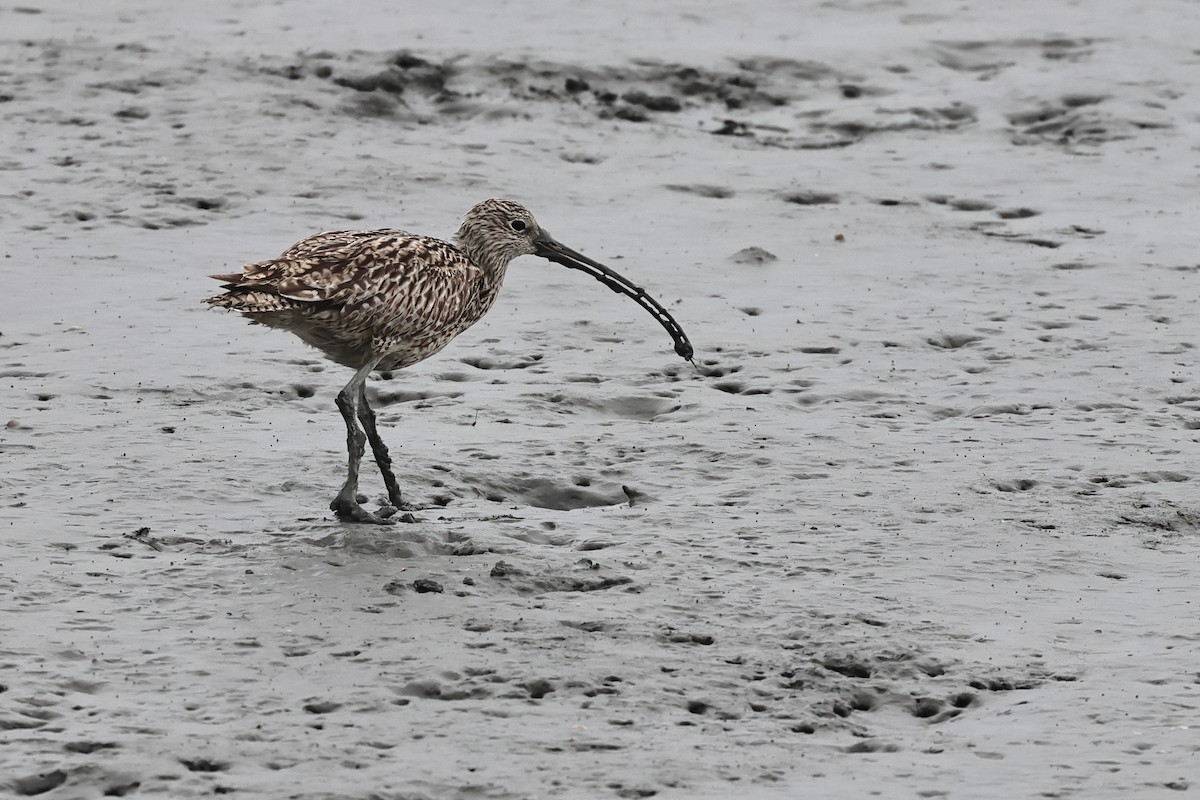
<point x="386" y="299"/>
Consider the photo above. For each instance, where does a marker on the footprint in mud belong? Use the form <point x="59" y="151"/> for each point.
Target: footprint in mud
<point x="587" y="576"/>
<point x="384" y="397"/>
<point x="1081" y="119"/>
<point x="510" y="362"/>
<point x="643" y="409"/>
<point x="753" y="255"/>
<point x="555" y="494"/>
<point x="963" y="204"/>
<point x="1014" y="485"/>
<point x="205" y="203"/>
<point x="988" y="58"/>
<point x="711" y="368"/>
<point x="959" y="203"/>
<point x="738" y="387"/>
<point x="400" y="541"/>
<point x="1017" y="213"/>
<point x="41" y="783"/>
<point x="953" y="341"/>
<point x="811" y="198"/>
<point x="701" y="190"/>
<point x="1036" y="241"/>
<point x="89" y="747"/>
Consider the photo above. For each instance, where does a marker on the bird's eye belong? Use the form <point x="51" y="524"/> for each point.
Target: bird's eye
<point x="517" y="225"/>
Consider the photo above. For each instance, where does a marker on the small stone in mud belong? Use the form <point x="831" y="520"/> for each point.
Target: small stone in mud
<point x="322" y="707"/>
<point x="630" y="114"/>
<point x="205" y="203"/>
<point x="427" y="585"/>
<point x="409" y="61"/>
<point x="395" y="587"/>
<point x="581" y="158"/>
<point x="323" y="71"/>
<point x="469" y="581"/>
<point x="652" y="102"/>
<point x="697" y="706"/>
<point x="732" y="127"/>
<point x="132" y="112"/>
<point x="702" y="190"/>
<point x="753" y="255"/>
<point x="811" y="198"/>
<point x="503" y="569"/>
<point x="850" y="667"/>
<point x="576" y="85"/>
<point x="538" y="688"/>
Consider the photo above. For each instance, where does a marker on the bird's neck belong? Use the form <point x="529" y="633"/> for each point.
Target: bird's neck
<point x="493" y="264"/>
<point x="490" y="259"/>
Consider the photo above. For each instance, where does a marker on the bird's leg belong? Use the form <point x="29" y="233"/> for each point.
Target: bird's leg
<point x="366" y="415"/>
<point x="345" y="505"/>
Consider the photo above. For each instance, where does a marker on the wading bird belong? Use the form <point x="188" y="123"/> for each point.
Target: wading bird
<point x="386" y="299"/>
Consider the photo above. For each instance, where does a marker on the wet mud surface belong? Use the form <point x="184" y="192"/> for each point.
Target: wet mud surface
<point x="923" y="520"/>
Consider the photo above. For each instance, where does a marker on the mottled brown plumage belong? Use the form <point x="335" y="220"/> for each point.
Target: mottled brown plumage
<point x="386" y="299"/>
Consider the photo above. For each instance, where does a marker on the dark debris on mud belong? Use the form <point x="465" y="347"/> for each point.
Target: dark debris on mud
<point x="776" y="102"/>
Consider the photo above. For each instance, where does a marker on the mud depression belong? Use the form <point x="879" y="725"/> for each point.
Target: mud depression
<point x="923" y="523"/>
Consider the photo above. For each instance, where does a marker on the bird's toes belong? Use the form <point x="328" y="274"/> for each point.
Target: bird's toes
<point x="399" y="513"/>
<point x="348" y="511"/>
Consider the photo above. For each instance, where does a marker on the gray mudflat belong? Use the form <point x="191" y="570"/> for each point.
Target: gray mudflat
<point x="926" y="523"/>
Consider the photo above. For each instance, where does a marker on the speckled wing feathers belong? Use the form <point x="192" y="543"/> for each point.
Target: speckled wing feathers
<point x="386" y="291"/>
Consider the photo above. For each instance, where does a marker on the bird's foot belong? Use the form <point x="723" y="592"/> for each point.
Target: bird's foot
<point x="395" y="502"/>
<point x="402" y="513"/>
<point x="348" y="510"/>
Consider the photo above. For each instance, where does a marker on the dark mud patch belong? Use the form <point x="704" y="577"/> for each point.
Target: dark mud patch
<point x="551" y="493"/>
<point x="642" y="408"/>
<point x="33" y="785"/>
<point x="1081" y="119"/>
<point x="586" y="576"/>
<point x="391" y="541"/>
<point x="753" y="256"/>
<point x="811" y="198"/>
<point x="386" y="397"/>
<point x="701" y="190"/>
<point x="506" y="362"/>
<point x="1017" y="213"/>
<point x="953" y="341"/>
<point x="740" y="99"/>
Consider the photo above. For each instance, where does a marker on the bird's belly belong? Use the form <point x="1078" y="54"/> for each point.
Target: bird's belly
<point x="354" y="339"/>
<point x="397" y="355"/>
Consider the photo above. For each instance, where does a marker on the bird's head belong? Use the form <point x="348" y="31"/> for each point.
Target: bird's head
<point x="497" y="231"/>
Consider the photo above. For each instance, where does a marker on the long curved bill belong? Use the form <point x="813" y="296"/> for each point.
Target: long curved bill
<point x="553" y="250"/>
